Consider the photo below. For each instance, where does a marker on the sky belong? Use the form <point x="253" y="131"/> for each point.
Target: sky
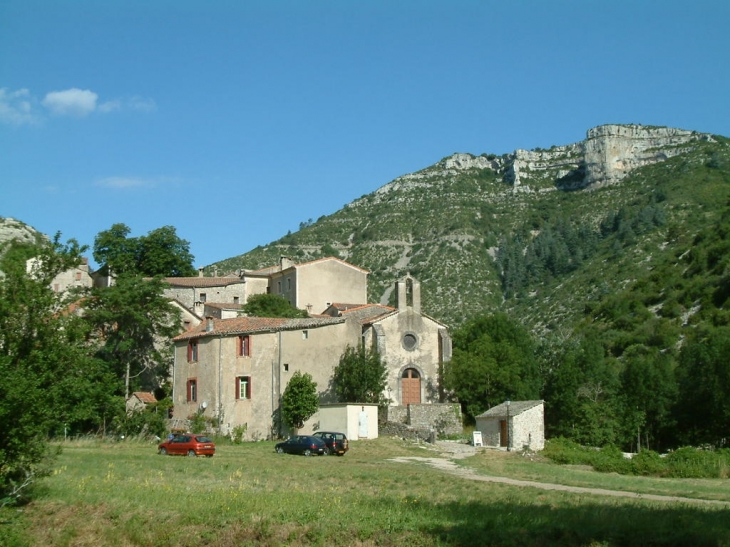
<point x="235" y="121"/>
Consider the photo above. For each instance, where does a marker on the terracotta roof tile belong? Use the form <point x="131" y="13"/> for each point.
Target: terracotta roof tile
<point x="203" y="282"/>
<point x="248" y="325"/>
<point x="145" y="396"/>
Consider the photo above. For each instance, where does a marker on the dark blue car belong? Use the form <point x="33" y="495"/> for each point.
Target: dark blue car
<point x="302" y="444"/>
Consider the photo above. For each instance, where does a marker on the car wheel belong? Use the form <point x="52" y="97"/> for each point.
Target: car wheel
<point x="163" y="452"/>
<point x="307" y="452"/>
<point x="280" y="450"/>
<point x="209" y="455"/>
<point x="192" y="453"/>
<point x="327" y="451"/>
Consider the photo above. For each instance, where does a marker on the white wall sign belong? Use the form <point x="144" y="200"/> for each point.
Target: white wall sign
<point x="477" y="438"/>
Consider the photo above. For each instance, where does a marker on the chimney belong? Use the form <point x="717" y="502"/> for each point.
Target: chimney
<point x="200" y="272"/>
<point x="209" y="324"/>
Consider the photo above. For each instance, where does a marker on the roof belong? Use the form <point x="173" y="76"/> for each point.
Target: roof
<point x="515" y="408"/>
<point x="367" y="313"/>
<point x="145" y="396"/>
<point x="311" y="262"/>
<point x="276" y="268"/>
<point x="223" y="305"/>
<point x="250" y="325"/>
<point x="203" y="282"/>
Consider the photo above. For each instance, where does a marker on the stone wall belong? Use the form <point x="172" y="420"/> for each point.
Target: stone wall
<point x="419" y="421"/>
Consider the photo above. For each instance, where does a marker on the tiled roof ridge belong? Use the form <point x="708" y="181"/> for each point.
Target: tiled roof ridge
<point x="242" y="325"/>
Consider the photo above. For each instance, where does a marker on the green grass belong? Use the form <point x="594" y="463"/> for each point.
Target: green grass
<point x="125" y="494"/>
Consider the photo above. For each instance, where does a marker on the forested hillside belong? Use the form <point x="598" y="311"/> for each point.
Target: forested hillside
<point x="622" y="286"/>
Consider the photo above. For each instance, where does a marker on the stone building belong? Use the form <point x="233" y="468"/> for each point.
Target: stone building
<point x="236" y="370"/>
<point x="513" y="425"/>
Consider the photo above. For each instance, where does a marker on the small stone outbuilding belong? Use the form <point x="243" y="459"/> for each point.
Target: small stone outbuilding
<point x="513" y="425"/>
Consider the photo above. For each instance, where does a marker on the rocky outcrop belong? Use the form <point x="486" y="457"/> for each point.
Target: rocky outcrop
<point x="612" y="151"/>
<point x="607" y="155"/>
<point x="14" y="230"/>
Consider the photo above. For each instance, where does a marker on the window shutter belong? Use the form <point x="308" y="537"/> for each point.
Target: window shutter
<point x="238" y="387"/>
<point x="248" y="388"/>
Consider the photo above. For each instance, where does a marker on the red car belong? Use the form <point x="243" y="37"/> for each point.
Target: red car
<point x="188" y="445"/>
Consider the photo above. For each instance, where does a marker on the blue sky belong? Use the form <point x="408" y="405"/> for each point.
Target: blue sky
<point x="234" y="121"/>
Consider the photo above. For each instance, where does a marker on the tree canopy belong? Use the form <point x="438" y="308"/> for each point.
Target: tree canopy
<point x="270" y="305"/>
<point x="360" y="376"/>
<point x="48" y="381"/>
<point x="299" y="401"/>
<point x="493" y="360"/>
<point x="160" y="252"/>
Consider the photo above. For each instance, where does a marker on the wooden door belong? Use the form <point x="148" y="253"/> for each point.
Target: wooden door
<point x="410" y="387"/>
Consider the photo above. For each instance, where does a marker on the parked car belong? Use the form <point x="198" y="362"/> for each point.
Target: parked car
<point x="337" y="443"/>
<point x="188" y="444"/>
<point x="302" y="444"/>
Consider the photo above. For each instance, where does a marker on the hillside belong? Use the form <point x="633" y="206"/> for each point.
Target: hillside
<point x="538" y="233"/>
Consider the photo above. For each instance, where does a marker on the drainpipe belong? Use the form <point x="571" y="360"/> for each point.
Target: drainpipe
<point x="278" y="388"/>
<point x="220" y="384"/>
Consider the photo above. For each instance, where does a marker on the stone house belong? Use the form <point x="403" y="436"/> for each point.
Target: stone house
<point x="235" y="370"/>
<point x="309" y="286"/>
<point x="513" y="425"/>
<point x="139" y="401"/>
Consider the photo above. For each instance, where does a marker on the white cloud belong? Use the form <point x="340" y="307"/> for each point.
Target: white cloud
<point x="20" y="107"/>
<point x="110" y="106"/>
<point x="141" y="103"/>
<point x="71" y="102"/>
<point x="123" y="182"/>
<point x="16" y="107"/>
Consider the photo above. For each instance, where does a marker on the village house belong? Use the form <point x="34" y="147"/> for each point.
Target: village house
<point x="514" y="425"/>
<point x="235" y="370"/>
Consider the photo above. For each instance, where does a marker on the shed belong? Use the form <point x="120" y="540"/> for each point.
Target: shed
<point x="514" y="425"/>
<point x="356" y="420"/>
<point x="139" y="400"/>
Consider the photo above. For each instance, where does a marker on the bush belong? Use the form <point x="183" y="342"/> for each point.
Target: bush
<point x="697" y="463"/>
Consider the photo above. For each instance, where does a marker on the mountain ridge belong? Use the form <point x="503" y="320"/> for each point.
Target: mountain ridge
<point x="450" y="223"/>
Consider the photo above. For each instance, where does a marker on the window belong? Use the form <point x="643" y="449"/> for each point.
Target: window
<point x="278" y="287"/>
<point x="78" y="276"/>
<point x="288" y="283"/>
<point x="192" y="350"/>
<point x="244" y="346"/>
<point x="410" y="341"/>
<point x="192" y="390"/>
<point x="286" y="367"/>
<point x="305" y="334"/>
<point x="235" y="300"/>
<point x="243" y="387"/>
<point x="203" y="297"/>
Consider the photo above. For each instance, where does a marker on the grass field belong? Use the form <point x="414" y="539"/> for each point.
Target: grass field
<point x="125" y="494"/>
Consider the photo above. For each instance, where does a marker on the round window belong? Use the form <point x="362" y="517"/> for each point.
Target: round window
<point x="410" y="341"/>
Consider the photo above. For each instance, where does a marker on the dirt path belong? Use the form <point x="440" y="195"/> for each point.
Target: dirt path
<point x="448" y="466"/>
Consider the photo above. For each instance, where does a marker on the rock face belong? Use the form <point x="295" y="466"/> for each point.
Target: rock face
<point x="607" y="155"/>
<point x="14" y="230"/>
<point x="610" y="152"/>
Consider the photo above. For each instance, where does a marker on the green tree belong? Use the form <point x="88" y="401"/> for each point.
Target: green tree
<point x="134" y="324"/>
<point x="581" y="395"/>
<point x="649" y="391"/>
<point x="44" y="364"/>
<point x="493" y="360"/>
<point x="300" y="401"/>
<point x="270" y="305"/>
<point x="703" y="375"/>
<point x="160" y="252"/>
<point x="360" y="376"/>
